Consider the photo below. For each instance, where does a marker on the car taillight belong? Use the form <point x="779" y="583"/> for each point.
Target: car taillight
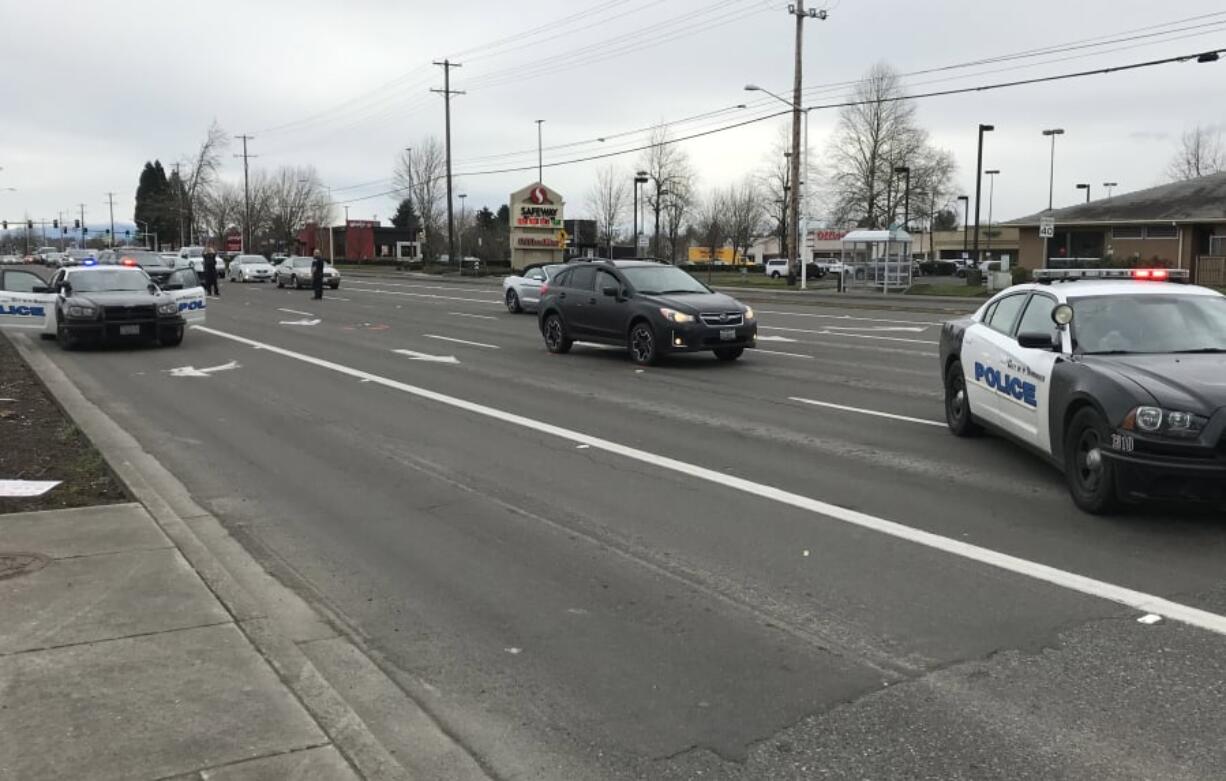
<point x="1155" y="274"/>
<point x="544" y="288"/>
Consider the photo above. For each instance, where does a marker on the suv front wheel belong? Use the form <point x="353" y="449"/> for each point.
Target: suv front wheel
<point x="556" y="339"/>
<point x="643" y="344"/>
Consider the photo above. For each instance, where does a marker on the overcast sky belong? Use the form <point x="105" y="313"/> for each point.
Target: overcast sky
<point x="93" y="90"/>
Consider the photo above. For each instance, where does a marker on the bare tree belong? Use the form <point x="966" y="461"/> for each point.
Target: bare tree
<point x="1200" y="153"/>
<point x="221" y="209"/>
<point x="421" y="175"/>
<point x="678" y="205"/>
<point x="666" y="165"/>
<point x="711" y="224"/>
<point x="745" y="215"/>
<point x="875" y="136"/>
<point x="201" y="175"/>
<point x="294" y="198"/>
<point x="607" y="202"/>
<point x="774" y="182"/>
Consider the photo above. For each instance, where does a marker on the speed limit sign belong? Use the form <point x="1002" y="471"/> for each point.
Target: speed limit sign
<point x="1047" y="227"/>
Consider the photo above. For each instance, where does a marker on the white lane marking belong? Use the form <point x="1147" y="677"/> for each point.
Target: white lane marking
<point x="474" y="317"/>
<point x="1138" y="600"/>
<point x="876" y="328"/>
<point x="495" y="302"/>
<point x="296" y="312"/>
<point x="825" y="332"/>
<point x="416" y="356"/>
<point x="849" y="318"/>
<point x="334" y="298"/>
<point x="462" y="341"/>
<point x="1149" y="619"/>
<point x="192" y="371"/>
<point x="14" y="489"/>
<point x="380" y="281"/>
<point x="862" y="411"/>
<point x="787" y="355"/>
<point x="775" y="339"/>
<point x="315" y="321"/>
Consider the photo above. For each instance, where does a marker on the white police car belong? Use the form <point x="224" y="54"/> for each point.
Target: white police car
<point x="93" y="304"/>
<point x="1116" y="376"/>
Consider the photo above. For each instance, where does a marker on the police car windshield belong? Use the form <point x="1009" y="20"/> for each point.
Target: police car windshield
<point x="1118" y="325"/>
<point x="661" y="280"/>
<point x="101" y="281"/>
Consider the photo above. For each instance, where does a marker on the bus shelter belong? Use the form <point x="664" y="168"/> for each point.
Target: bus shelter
<point x="877" y="259"/>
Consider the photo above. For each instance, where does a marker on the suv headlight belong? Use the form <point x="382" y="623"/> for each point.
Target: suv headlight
<point x="673" y="316"/>
<point x="169" y="308"/>
<point x="749" y="313"/>
<point x="82" y="310"/>
<point x="1165" y="423"/>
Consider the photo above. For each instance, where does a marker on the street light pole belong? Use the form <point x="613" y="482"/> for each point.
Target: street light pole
<point x="1111" y="188"/>
<point x="979" y="186"/>
<point x="991" y="199"/>
<point x="1051" y="177"/>
<point x="640" y="178"/>
<point x="540" y="153"/>
<point x="966" y="216"/>
<point x="906" y="213"/>
<point x="1085" y="187"/>
<point x="463" y="214"/>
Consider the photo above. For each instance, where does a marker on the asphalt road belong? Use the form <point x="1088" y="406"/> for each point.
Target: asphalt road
<point x="583" y="569"/>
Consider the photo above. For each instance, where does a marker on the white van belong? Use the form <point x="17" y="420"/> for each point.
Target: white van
<point x="776" y="268"/>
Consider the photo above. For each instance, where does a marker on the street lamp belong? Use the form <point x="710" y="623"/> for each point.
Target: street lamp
<point x="640" y="178"/>
<point x="1110" y="187"/>
<point x="979" y="185"/>
<point x="991" y="198"/>
<point x="1051" y="177"/>
<point x="906" y="214"/>
<point x="802" y="180"/>
<point x="966" y="216"/>
<point x="1085" y="187"/>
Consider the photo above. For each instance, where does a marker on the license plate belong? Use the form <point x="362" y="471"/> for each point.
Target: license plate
<point x="129" y="330"/>
<point x="727" y="334"/>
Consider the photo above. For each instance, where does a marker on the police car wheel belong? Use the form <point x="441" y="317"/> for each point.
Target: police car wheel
<point x="1091" y="476"/>
<point x="67" y="340"/>
<point x="172" y="340"/>
<point x="957" y="405"/>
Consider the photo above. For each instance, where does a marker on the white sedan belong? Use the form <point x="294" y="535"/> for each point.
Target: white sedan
<point x="250" y="268"/>
<point x="522" y="292"/>
<point x="296" y="272"/>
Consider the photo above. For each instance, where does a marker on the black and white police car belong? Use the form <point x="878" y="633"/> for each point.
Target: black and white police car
<point x="1116" y="376"/>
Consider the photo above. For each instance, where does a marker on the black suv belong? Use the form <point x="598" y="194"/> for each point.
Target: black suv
<point x="652" y="308"/>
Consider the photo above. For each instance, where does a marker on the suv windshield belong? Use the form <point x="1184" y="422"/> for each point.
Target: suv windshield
<point x="130" y="280"/>
<point x="662" y="280"/>
<point x="1149" y="324"/>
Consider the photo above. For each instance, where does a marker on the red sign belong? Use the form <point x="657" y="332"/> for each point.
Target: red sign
<point x="828" y="235"/>
<point x="234" y="243"/>
<point x="539" y="196"/>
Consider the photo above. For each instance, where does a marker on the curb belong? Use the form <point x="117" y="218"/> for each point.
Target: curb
<point x="270" y="616"/>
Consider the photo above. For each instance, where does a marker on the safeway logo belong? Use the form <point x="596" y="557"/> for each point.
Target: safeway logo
<point x="539" y="196"/>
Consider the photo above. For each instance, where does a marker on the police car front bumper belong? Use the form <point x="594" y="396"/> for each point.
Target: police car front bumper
<point x="1185" y="472"/>
<point x="106" y="330"/>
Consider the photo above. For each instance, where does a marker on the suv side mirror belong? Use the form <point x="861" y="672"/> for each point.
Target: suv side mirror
<point x="611" y="291"/>
<point x="1037" y="340"/>
<point x="41" y="289"/>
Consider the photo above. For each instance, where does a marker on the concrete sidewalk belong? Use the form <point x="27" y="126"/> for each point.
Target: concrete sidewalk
<point x="142" y="641"/>
<point x="117" y="661"/>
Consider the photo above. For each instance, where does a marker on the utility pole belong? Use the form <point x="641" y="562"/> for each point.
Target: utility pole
<point x="979" y="188"/>
<point x="246" y="196"/>
<point x="447" y="92"/>
<point x="110" y="201"/>
<point x="83" y="230"/>
<point x="179" y="200"/>
<point x="540" y="152"/>
<point x="798" y="10"/>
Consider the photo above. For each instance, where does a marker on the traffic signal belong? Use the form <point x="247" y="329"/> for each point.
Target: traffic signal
<point x="30" y="225"/>
<point x="85" y="230"/>
<point x="76" y="225"/>
<point x="127" y="232"/>
<point x="5" y="223"/>
<point x="55" y="224"/>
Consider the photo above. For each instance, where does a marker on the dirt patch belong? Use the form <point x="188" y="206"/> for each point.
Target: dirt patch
<point x="39" y="442"/>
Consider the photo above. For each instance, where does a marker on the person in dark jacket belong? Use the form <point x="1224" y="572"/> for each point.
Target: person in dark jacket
<point x="210" y="272"/>
<point x="317" y="274"/>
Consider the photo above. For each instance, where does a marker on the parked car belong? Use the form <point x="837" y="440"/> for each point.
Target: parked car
<point x="250" y="268"/>
<point x="296" y="272"/>
<point x="43" y="253"/>
<point x="522" y="292"/>
<point x="80" y="257"/>
<point x="776" y="268"/>
<point x="9" y="260"/>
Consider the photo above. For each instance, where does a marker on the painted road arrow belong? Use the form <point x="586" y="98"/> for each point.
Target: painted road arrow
<point x="192" y="371"/>
<point x="301" y="322"/>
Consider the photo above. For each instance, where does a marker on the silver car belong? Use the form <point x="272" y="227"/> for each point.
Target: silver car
<point x="296" y="272"/>
<point x="250" y="268"/>
<point x="522" y="292"/>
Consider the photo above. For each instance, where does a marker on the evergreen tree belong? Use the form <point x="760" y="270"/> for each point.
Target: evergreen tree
<point x="406" y="216"/>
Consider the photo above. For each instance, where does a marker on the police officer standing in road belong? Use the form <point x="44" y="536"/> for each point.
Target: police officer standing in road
<point x="210" y="272"/>
<point x="317" y="274"/>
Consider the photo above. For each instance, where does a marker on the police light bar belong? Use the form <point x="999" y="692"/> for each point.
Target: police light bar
<point x="1047" y="275"/>
<point x="89" y="262"/>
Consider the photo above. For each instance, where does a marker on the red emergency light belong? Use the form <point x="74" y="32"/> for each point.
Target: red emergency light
<point x="1155" y="274"/>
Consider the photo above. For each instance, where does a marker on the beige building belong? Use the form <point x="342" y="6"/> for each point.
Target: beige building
<point x="1181" y="225"/>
